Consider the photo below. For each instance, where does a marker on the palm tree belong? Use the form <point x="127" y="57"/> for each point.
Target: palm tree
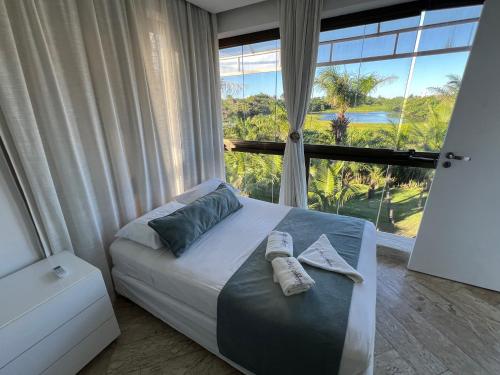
<point x="344" y="90"/>
<point x="254" y="174"/>
<point x="450" y="89"/>
<point x="323" y="185"/>
<point x="376" y="178"/>
<point x="429" y="135"/>
<point x="332" y="185"/>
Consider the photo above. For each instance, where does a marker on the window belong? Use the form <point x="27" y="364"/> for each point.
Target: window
<point x="386" y="87"/>
<point x="252" y="93"/>
<point x="400" y="80"/>
<point x="253" y="110"/>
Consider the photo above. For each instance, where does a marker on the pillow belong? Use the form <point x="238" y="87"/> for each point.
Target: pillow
<point x="180" y="229"/>
<point x="139" y="231"/>
<point x="201" y="190"/>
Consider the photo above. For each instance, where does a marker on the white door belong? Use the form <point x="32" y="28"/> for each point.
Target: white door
<point x="459" y="237"/>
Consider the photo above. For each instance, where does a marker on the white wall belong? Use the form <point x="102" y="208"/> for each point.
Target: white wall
<point x="264" y="15"/>
<point x="19" y="245"/>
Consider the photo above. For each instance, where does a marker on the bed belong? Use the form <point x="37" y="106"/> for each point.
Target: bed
<point x="184" y="292"/>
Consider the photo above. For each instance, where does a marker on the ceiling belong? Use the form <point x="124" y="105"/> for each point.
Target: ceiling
<point x="216" y="6"/>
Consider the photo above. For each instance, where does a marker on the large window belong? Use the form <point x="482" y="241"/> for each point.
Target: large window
<point x="253" y="110"/>
<point x="387" y="85"/>
<point x="252" y="92"/>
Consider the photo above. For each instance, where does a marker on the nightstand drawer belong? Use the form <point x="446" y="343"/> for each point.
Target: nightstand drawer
<point x="48" y="351"/>
<point x="40" y="322"/>
<point x="79" y="356"/>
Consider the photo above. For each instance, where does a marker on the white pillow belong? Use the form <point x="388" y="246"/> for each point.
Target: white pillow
<point x="201" y="190"/>
<point x="139" y="230"/>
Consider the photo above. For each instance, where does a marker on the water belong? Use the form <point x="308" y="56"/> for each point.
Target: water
<point x="365" y="117"/>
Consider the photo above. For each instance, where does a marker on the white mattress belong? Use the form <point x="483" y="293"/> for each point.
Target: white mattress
<point x="181" y="290"/>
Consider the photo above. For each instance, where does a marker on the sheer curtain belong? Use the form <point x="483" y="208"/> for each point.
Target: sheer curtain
<point x="110" y="108"/>
<point x="299" y="33"/>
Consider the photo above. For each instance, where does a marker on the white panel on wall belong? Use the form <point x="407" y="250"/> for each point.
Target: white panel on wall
<point x="264" y="15"/>
<point x="19" y="244"/>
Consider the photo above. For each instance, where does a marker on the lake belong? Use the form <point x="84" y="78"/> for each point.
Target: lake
<point x="365" y="117"/>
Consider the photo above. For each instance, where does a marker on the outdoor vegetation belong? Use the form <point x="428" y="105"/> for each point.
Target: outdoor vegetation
<point x="357" y="189"/>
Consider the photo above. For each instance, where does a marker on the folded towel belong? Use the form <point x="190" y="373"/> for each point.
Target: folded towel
<point x="291" y="275"/>
<point x="322" y="254"/>
<point x="279" y="244"/>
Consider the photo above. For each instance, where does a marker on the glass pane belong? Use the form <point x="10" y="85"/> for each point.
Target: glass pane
<point x="404" y="199"/>
<point x="452" y="14"/>
<point x="324" y="53"/>
<point x="260" y="47"/>
<point x="261" y="62"/>
<point x="325" y="110"/>
<point x="447" y="37"/>
<point x="402" y="23"/>
<point x="347" y="50"/>
<point x="232" y="92"/>
<point x="256" y="175"/>
<point x="252" y="103"/>
<point x="431" y="97"/>
<point x="379" y="46"/>
<point x="406" y="42"/>
<point x="348" y="32"/>
<point x="230" y="52"/>
<point x="370" y="104"/>
<point x="230" y="66"/>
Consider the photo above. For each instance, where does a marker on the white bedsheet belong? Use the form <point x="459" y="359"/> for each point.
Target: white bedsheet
<point x="195" y="280"/>
<point x="199" y="275"/>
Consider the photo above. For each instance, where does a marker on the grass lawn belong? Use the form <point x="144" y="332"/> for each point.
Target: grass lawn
<point x="407" y="208"/>
<point x="405" y="205"/>
<point x="313" y="122"/>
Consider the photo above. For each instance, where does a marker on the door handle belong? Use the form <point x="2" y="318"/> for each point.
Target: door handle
<point x="452" y="156"/>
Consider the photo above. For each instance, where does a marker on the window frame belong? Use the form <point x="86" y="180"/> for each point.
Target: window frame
<point x="389" y="13"/>
<point x="409" y="158"/>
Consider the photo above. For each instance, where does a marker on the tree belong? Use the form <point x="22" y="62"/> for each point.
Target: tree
<point x="430" y="122"/>
<point x="450" y="89"/>
<point x="376" y="178"/>
<point x="344" y="90"/>
<point x="429" y="135"/>
<point x="333" y="183"/>
<point x="255" y="175"/>
<point x="230" y="88"/>
<point x="318" y="105"/>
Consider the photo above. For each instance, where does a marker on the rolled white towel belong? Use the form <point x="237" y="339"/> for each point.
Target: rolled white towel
<point x="279" y="244"/>
<point x="291" y="275"/>
<point x="323" y="255"/>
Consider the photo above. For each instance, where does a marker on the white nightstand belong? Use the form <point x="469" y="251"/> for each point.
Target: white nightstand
<point x="50" y="325"/>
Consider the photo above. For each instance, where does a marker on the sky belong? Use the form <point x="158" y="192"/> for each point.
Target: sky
<point x="429" y="71"/>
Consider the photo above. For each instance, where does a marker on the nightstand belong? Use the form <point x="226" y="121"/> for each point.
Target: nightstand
<point x="50" y="325"/>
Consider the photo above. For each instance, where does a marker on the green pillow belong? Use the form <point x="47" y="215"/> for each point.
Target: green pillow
<point x="181" y="228"/>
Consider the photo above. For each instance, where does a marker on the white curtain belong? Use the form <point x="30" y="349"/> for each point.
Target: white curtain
<point x="299" y="33"/>
<point x="110" y="107"/>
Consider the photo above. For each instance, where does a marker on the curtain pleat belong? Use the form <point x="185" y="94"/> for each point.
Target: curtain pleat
<point x="111" y="108"/>
<point x="299" y="35"/>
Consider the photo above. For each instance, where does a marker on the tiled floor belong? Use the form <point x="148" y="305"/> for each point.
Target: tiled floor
<point x="425" y="325"/>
